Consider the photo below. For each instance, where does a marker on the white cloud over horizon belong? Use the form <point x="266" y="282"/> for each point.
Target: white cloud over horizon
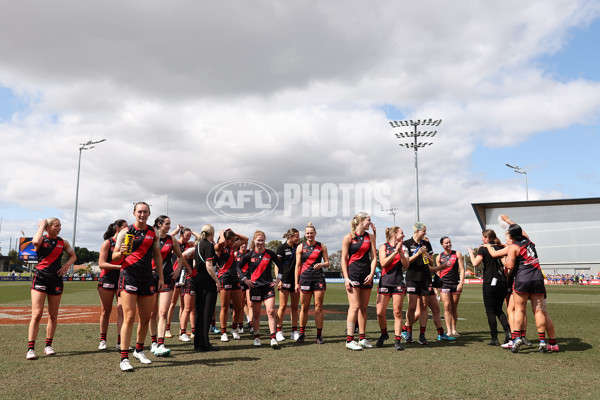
<point x="190" y="95"/>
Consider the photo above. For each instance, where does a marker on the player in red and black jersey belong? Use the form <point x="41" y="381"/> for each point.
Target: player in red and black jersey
<point x="137" y="283"/>
<point x="311" y="258"/>
<point x="420" y="288"/>
<point x="522" y="260"/>
<point x="358" y="267"/>
<point x="229" y="242"/>
<point x="109" y="281"/>
<point x="259" y="279"/>
<point x="287" y="256"/>
<point x="168" y="249"/>
<point x="453" y="277"/>
<point x="183" y="288"/>
<point x="393" y="258"/>
<point x="245" y="292"/>
<point x="47" y="281"/>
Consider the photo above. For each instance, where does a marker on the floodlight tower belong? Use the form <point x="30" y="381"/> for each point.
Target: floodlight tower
<point x="83" y="146"/>
<point x="415" y="144"/>
<point x="521" y="171"/>
<point x="391" y="211"/>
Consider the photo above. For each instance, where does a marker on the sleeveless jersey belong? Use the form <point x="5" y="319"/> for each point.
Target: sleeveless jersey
<point x="417" y="270"/>
<point x="226" y="264"/>
<point x="310" y="256"/>
<point x="183" y="247"/>
<point x="49" y="257"/>
<point x="450" y="275"/>
<point x="391" y="275"/>
<point x="527" y="263"/>
<point x="111" y="274"/>
<point x="359" y="254"/>
<point x="138" y="264"/>
<point x="259" y="266"/>
<point x="287" y="257"/>
<point x="166" y="252"/>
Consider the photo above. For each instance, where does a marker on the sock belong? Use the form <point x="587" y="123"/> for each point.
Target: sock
<point x="31" y="345"/>
<point x="515" y="335"/>
<point x="279" y="328"/>
<point x="168" y="327"/>
<point x="422" y="330"/>
<point x="440" y="331"/>
<point x="523" y="333"/>
<point x="153" y="338"/>
<point x="361" y="336"/>
<point x="319" y="332"/>
<point x="161" y="341"/>
<point x="404" y="328"/>
<point x="234" y="326"/>
<point x="183" y="332"/>
<point x="223" y="330"/>
<point x="384" y="331"/>
<point x="124" y="354"/>
<point x="193" y="331"/>
<point x="409" y="329"/>
<point x="397" y="337"/>
<point x="48" y="342"/>
<point x="103" y="336"/>
<point x="302" y="330"/>
<point x="349" y="338"/>
<point x="139" y="347"/>
<point x="273" y="335"/>
<point x="552" y="342"/>
<point x="257" y="336"/>
<point x="119" y="339"/>
<point x="294" y="328"/>
<point x="542" y="336"/>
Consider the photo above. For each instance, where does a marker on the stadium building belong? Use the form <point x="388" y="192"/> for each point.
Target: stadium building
<point x="566" y="232"/>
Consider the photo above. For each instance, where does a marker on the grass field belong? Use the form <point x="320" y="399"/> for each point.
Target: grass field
<point x="467" y="368"/>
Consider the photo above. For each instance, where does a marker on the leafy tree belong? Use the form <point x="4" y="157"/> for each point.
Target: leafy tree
<point x="273" y="245"/>
<point x="335" y="261"/>
<point x="14" y="258"/>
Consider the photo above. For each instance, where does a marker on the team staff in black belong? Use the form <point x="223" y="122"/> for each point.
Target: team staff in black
<point x="137" y="283"/>
<point x="109" y="281"/>
<point x="393" y="258"/>
<point x="494" y="286"/>
<point x="419" y="286"/>
<point x="311" y="258"/>
<point x="287" y="287"/>
<point x="259" y="279"/>
<point x="47" y="281"/>
<point x="452" y="275"/>
<point x="206" y="286"/>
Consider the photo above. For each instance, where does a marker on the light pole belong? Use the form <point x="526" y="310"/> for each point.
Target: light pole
<point x="522" y="172"/>
<point x="391" y="211"/>
<point x="83" y="146"/>
<point x="416" y="145"/>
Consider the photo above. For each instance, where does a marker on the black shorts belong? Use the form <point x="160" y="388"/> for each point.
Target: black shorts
<point x="313" y="285"/>
<point x="230" y="284"/>
<point x="260" y="293"/>
<point x="288" y="287"/>
<point x="529" y="287"/>
<point x="391" y="290"/>
<point x="108" y="284"/>
<point x="446" y="288"/>
<point x="136" y="286"/>
<point x="243" y="286"/>
<point x="169" y="286"/>
<point x="420" y="288"/>
<point x="49" y="285"/>
<point x="188" y="287"/>
<point x="357" y="278"/>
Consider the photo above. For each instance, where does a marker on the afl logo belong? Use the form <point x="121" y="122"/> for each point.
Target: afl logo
<point x="242" y="199"/>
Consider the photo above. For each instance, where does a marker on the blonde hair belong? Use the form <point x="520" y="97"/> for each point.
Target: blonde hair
<point x="358" y="218"/>
<point x="390" y="232"/>
<point x="50" y="221"/>
<point x="206" y="231"/>
<point x="256" y="234"/>
<point x="311" y="226"/>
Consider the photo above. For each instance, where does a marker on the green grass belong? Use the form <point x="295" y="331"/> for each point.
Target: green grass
<point x="466" y="368"/>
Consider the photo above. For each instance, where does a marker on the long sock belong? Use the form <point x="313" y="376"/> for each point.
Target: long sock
<point x="153" y="338"/>
<point x="302" y="330"/>
<point x="161" y="340"/>
<point x="542" y="336"/>
<point x="139" y="347"/>
<point x="361" y="336"/>
<point x="124" y="354"/>
<point x="31" y="345"/>
<point x="223" y="330"/>
<point x="349" y="338"/>
<point x="48" y="342"/>
<point x="103" y="336"/>
<point x="515" y="335"/>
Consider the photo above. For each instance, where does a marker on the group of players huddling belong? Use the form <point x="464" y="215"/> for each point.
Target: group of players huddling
<point x="148" y="269"/>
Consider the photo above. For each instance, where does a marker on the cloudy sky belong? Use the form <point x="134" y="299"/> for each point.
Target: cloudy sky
<point x="192" y="95"/>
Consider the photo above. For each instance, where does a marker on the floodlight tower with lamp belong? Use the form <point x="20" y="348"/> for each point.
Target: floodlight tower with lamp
<point x="416" y="144"/>
<point x="521" y="171"/>
<point x="83" y="146"/>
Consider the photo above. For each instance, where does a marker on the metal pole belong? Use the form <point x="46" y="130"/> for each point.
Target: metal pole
<point x="417" y="176"/>
<point x="76" y="203"/>
<point x="526" y="186"/>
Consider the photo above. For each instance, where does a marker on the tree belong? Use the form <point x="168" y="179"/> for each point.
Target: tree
<point x="14" y="258"/>
<point x="335" y="261"/>
<point x="273" y="245"/>
<point x="83" y="256"/>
